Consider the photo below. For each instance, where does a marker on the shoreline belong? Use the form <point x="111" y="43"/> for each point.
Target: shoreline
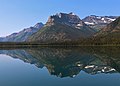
<point x="27" y="45"/>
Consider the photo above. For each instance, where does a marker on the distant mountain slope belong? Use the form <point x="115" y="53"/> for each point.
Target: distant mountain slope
<point x="98" y="22"/>
<point x="62" y="27"/>
<point x="1" y="39"/>
<point x="111" y="33"/>
<point x="22" y="35"/>
<point x="111" y="28"/>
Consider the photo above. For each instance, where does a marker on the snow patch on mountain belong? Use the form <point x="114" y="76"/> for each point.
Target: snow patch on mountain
<point x="89" y="23"/>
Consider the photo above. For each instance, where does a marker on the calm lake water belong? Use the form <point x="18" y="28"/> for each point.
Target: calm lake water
<point x="83" y="66"/>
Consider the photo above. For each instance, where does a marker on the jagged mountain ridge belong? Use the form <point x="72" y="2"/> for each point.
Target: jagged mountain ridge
<point x="60" y="24"/>
<point x="98" y="22"/>
<point x="62" y="27"/>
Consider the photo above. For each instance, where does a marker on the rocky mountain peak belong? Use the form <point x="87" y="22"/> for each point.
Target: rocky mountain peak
<point x="69" y="19"/>
<point x="62" y="27"/>
<point x="98" y="22"/>
<point x="38" y="25"/>
<point x="95" y="20"/>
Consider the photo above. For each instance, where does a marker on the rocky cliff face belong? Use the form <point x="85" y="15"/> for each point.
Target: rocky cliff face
<point x="62" y="27"/>
<point x="69" y="19"/>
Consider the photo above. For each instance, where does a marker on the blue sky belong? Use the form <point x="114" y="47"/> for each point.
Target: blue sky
<point x="16" y="15"/>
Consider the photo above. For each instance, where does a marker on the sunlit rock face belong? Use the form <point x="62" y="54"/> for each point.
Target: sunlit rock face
<point x="69" y="19"/>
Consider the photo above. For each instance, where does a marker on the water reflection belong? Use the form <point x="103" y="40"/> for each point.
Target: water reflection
<point x="69" y="62"/>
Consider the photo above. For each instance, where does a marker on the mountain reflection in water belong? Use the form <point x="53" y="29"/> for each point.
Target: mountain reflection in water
<point x="69" y="62"/>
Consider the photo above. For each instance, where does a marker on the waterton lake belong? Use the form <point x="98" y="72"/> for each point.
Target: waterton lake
<point x="60" y="66"/>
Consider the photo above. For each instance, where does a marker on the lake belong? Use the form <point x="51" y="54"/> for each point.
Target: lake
<point x="56" y="66"/>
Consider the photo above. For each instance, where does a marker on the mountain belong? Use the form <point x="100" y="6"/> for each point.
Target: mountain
<point x="62" y="27"/>
<point x="110" y="33"/>
<point x="98" y="22"/>
<point x="113" y="27"/>
<point x="22" y="35"/>
<point x="1" y="38"/>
